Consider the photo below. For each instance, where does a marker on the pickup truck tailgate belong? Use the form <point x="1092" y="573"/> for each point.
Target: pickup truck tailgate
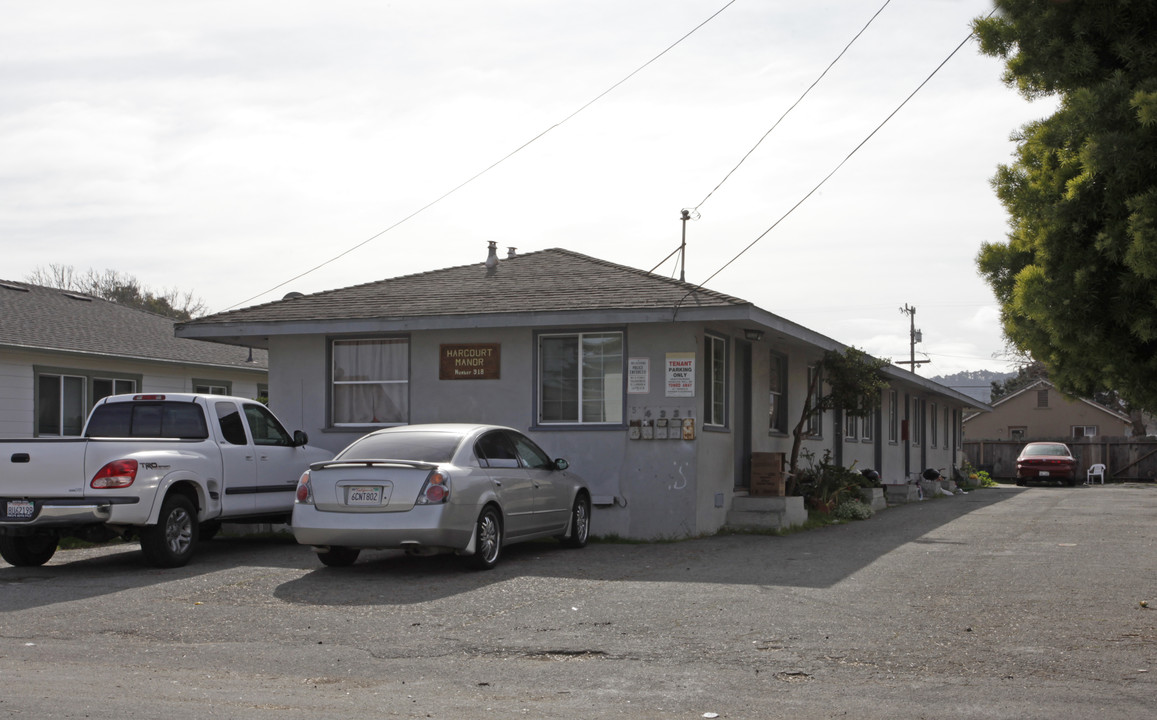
<point x="42" y="467"/>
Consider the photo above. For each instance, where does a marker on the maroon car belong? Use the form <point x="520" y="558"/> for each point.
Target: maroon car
<point x="1046" y="461"/>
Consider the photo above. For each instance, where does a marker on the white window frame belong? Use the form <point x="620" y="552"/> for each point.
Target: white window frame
<point x="392" y="386"/>
<point x="715" y="394"/>
<point x="849" y="426"/>
<point x="934" y="428"/>
<point x="893" y="417"/>
<point x="815" y="420"/>
<point x="607" y="390"/>
<point x="1085" y="431"/>
<point x="777" y="399"/>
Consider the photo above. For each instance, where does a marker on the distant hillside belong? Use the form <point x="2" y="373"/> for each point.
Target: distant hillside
<point x="976" y="384"/>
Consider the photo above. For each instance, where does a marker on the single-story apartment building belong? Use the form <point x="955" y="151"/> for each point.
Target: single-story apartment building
<point x="656" y="391"/>
<point x="61" y="351"/>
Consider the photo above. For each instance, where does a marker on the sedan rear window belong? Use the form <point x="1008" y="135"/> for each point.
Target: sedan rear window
<point x="1038" y="450"/>
<point x="416" y="446"/>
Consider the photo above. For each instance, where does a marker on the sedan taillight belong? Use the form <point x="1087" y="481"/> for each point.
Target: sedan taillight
<point x="435" y="490"/>
<point x="304" y="490"/>
<point x="116" y="474"/>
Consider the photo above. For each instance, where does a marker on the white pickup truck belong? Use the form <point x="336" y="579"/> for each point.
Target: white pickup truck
<point x="166" y="469"/>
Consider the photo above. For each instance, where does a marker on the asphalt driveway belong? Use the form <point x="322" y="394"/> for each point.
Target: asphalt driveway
<point x="1006" y="602"/>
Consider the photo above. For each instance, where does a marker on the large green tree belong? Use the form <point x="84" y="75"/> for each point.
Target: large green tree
<point x="1077" y="276"/>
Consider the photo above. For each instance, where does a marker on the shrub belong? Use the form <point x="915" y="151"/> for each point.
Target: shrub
<point x="853" y="510"/>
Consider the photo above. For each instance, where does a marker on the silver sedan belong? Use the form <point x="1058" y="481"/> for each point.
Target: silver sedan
<point x="467" y="489"/>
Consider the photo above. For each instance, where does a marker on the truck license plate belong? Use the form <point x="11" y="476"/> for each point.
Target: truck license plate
<point x="364" y="495"/>
<point x="19" y="509"/>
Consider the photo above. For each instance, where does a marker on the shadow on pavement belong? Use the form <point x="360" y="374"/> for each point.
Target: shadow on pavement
<point x="816" y="559"/>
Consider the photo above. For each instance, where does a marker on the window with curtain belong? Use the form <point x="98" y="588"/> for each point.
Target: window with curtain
<point x="580" y="378"/>
<point x="60" y="405"/>
<point x="371" y="381"/>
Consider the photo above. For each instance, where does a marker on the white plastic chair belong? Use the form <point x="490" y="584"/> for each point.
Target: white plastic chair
<point x="1095" y="472"/>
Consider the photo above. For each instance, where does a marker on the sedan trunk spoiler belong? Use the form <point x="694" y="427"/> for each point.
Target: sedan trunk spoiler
<point x="416" y="465"/>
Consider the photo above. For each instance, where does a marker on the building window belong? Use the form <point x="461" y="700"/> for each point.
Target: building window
<point x="866" y="429"/>
<point x="946" y="423"/>
<point x="212" y="387"/>
<point x="917" y="428"/>
<point x="1042" y="398"/>
<point x="103" y="387"/>
<point x="716" y="400"/>
<point x="849" y="426"/>
<point x="815" y="418"/>
<point x="1084" y="431"/>
<point x="934" y="430"/>
<point x="777" y="397"/>
<point x="60" y="405"/>
<point x="371" y="382"/>
<point x="580" y="378"/>
<point x="63" y="397"/>
<point x="893" y="417"/>
<point x="1017" y="433"/>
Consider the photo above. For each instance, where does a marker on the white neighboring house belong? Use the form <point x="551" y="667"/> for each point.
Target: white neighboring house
<point x="61" y="351"/>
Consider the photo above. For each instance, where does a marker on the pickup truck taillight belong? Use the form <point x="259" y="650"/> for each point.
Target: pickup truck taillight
<point x="116" y="474"/>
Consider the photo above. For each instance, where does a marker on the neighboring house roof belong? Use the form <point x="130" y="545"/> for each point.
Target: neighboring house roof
<point x="1045" y="383"/>
<point x="549" y="287"/>
<point x="39" y="318"/>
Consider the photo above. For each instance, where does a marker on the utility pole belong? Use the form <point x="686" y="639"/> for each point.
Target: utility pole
<point x="914" y="336"/>
<point x="683" y="247"/>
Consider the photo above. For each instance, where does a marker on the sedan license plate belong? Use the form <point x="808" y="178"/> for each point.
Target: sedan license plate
<point x="364" y="495"/>
<point x="19" y="509"/>
<point x="1043" y="473"/>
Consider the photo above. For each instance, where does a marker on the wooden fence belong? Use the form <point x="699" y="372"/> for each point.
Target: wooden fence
<point x="1125" y="458"/>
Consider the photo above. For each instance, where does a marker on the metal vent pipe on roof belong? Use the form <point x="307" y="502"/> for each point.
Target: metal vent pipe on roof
<point x="511" y="252"/>
<point x="492" y="258"/>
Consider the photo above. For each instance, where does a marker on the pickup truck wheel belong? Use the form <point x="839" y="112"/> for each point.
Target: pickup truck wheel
<point x="338" y="556"/>
<point x="170" y="542"/>
<point x="28" y="550"/>
<point x="488" y="540"/>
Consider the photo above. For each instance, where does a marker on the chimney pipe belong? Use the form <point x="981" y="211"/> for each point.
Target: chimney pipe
<point x="510" y="252"/>
<point x="492" y="258"/>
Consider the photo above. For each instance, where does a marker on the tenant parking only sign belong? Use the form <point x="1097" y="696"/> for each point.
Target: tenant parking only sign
<point x="475" y="361"/>
<point x="681" y="374"/>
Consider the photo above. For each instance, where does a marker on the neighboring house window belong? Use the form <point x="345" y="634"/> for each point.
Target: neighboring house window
<point x="866" y="428"/>
<point x="371" y="382"/>
<point x="893" y="417"/>
<point x="60" y="405"/>
<point x="64" y="396"/>
<point x="1042" y="398"/>
<point x="580" y="378"/>
<point x="934" y="430"/>
<point x="1084" y="431"/>
<point x="946" y="423"/>
<point x="716" y="401"/>
<point x="815" y="418"/>
<point x="777" y="396"/>
<point x="212" y="387"/>
<point x="849" y="426"/>
<point x="103" y="387"/>
<point x="1017" y="433"/>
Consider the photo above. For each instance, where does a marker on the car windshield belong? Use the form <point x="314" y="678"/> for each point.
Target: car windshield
<point x="418" y="446"/>
<point x="1039" y="450"/>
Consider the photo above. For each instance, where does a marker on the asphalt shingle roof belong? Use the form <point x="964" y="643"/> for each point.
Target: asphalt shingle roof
<point x="40" y="318"/>
<point x="543" y="281"/>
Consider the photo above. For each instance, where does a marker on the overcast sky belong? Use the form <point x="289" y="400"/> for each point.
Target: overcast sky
<point x="227" y="147"/>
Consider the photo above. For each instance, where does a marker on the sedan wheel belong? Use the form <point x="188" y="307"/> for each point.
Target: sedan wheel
<point x="488" y="539"/>
<point x="338" y="556"/>
<point x="580" y="523"/>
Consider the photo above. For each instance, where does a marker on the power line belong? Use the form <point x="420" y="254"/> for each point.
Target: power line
<point x="493" y="165"/>
<point x="827" y="177"/>
<point x="797" y="102"/>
